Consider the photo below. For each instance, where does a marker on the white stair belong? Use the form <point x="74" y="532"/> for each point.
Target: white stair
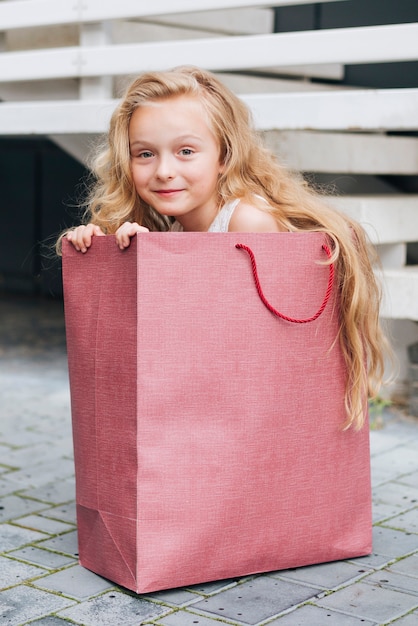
<point x="387" y="219"/>
<point x="346" y="153"/>
<point x="216" y="53"/>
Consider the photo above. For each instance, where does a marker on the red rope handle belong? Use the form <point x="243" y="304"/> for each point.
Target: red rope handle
<point x="267" y="304"/>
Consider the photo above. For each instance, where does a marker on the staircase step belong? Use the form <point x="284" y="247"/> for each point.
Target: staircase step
<point x="367" y="44"/>
<point x="400" y="287"/>
<point x="372" y="110"/>
<point x="347" y="110"/>
<point x="348" y="153"/>
<point x="388" y="219"/>
<point x="29" y="13"/>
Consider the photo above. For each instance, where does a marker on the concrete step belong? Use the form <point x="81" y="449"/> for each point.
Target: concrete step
<point x="371" y="110"/>
<point x="31" y="13"/>
<point x="400" y="287"/>
<point x="360" y="110"/>
<point x="388" y="219"/>
<point x="347" y="153"/>
<point x="368" y="44"/>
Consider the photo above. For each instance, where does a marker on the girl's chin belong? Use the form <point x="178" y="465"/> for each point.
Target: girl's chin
<point x="169" y="211"/>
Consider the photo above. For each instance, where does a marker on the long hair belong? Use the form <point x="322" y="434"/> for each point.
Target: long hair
<point x="251" y="170"/>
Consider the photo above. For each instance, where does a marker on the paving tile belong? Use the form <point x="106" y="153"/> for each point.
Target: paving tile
<point x="398" y="425"/>
<point x="111" y="609"/>
<point x="14" y="506"/>
<point x="406" y="521"/>
<point x="57" y="492"/>
<point x="45" y="558"/>
<point x="12" y="537"/>
<point x="392" y="542"/>
<point x="50" y="621"/>
<point x="177" y="597"/>
<point x="323" y="576"/>
<point x="64" y="543"/>
<point x="183" y="618"/>
<point x="76" y="582"/>
<point x="44" y="524"/>
<point x="208" y="589"/>
<point x="388" y="544"/>
<point x="255" y="600"/>
<point x="65" y="513"/>
<point x="33" y="455"/>
<point x="398" y="461"/>
<point x="408" y="620"/>
<point x="382" y="441"/>
<point x="370" y="602"/>
<point x="409" y="479"/>
<point x="390" y="466"/>
<point x="381" y="475"/>
<point x="394" y="580"/>
<point x="383" y="511"/>
<point x="14" y="572"/>
<point x="20" y="437"/>
<point x="6" y="486"/>
<point x="19" y="604"/>
<point x="405" y="497"/>
<point x="38" y="475"/>
<point x="310" y="615"/>
<point x="408" y="566"/>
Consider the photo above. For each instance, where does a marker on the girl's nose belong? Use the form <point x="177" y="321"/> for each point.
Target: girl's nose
<point x="166" y="167"/>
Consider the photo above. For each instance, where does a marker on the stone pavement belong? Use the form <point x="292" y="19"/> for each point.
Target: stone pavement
<point x="41" y="582"/>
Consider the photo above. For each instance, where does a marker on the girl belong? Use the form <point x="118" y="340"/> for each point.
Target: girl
<point x="182" y="154"/>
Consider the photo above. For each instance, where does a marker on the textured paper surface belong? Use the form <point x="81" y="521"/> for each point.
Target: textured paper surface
<point x="207" y="431"/>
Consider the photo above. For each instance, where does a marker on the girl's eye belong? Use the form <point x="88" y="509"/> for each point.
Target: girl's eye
<point x="145" y="155"/>
<point x="186" y="151"/>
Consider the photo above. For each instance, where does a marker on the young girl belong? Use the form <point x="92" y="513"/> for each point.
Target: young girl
<point x="182" y="154"/>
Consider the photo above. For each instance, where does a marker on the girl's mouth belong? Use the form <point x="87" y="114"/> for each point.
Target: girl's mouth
<point x="167" y="192"/>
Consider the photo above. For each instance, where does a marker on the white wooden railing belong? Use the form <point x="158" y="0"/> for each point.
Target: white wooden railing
<point x="363" y="110"/>
<point x="220" y="53"/>
<point x="30" y="13"/>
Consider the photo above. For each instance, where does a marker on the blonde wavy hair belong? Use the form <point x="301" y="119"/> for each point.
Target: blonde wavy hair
<point x="249" y="170"/>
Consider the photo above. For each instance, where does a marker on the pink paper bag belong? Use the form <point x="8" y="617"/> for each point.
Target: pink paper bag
<point x="208" y="432"/>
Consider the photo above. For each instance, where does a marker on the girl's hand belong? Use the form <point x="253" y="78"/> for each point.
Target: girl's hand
<point x="81" y="236"/>
<point x="125" y="232"/>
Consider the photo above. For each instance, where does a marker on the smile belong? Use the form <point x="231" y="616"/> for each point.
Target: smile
<point x="167" y="192"/>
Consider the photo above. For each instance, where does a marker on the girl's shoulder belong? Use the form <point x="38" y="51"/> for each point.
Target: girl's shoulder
<point x="248" y="217"/>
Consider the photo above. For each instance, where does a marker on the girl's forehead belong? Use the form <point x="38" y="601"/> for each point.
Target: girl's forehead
<point x="185" y="106"/>
<point x="186" y="101"/>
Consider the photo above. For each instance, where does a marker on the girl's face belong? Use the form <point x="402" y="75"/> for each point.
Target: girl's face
<point x="175" y="160"/>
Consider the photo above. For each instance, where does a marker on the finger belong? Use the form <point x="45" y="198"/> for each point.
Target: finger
<point x="81" y="236"/>
<point x="74" y="237"/>
<point x="125" y="232"/>
<point x="125" y="235"/>
<point x="77" y="239"/>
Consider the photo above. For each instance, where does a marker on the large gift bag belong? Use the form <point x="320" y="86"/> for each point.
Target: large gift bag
<point x="207" y="389"/>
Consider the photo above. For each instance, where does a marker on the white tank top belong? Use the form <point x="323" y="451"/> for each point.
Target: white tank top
<point x="221" y="222"/>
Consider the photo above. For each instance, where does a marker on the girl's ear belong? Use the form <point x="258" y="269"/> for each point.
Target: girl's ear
<point x="222" y="165"/>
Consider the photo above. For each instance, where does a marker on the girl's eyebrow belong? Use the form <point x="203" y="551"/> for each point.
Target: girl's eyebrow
<point x="180" y="139"/>
<point x="186" y="138"/>
<point x="138" y="142"/>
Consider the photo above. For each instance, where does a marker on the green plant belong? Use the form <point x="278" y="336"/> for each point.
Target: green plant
<point x="376" y="408"/>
